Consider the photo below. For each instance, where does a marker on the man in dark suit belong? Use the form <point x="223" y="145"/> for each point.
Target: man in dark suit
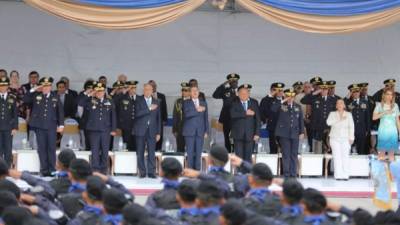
<point x="227" y="92"/>
<point x="371" y="139"/>
<point x="321" y="106"/>
<point x="33" y="81"/>
<point x="8" y="120"/>
<point x="68" y="100"/>
<point x="178" y="119"/>
<point x="195" y="127"/>
<point x="67" y="87"/>
<point x="101" y="124"/>
<point x="289" y="129"/>
<point x="360" y="111"/>
<point x="332" y="89"/>
<point x="47" y="118"/>
<point x="82" y="113"/>
<point x="246" y="123"/>
<point x="147" y="129"/>
<point x="163" y="110"/>
<point x="269" y="117"/>
<point x="125" y="105"/>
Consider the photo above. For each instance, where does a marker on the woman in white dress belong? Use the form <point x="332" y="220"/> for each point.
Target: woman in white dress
<point x="341" y="139"/>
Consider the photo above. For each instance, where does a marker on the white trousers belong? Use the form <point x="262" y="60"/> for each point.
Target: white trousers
<point x="341" y="154"/>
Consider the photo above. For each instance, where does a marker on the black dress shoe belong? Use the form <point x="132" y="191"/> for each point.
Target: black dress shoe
<point x="142" y="176"/>
<point x="152" y="176"/>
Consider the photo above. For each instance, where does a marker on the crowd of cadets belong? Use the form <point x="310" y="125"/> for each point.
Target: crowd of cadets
<point x="80" y="196"/>
<point x="103" y="112"/>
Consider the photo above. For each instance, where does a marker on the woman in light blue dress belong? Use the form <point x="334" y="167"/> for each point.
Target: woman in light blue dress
<point x="387" y="112"/>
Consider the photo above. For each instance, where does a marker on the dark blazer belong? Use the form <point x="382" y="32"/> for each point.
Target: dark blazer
<point x="9" y="113"/>
<point x="267" y="115"/>
<point x="163" y="106"/>
<point x="27" y="87"/>
<point x="125" y="107"/>
<point x="361" y="115"/>
<point x="290" y="122"/>
<point x="47" y="113"/>
<point x="245" y="127"/>
<point x="195" y="123"/>
<point x="70" y="105"/>
<point x="227" y="95"/>
<point x="320" y="109"/>
<point x="144" y="118"/>
<point x="100" y="116"/>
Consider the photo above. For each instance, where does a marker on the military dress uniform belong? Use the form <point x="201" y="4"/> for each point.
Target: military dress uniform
<point x="227" y="93"/>
<point x="101" y="121"/>
<point x="360" y="111"/>
<point x="332" y="86"/>
<point x="373" y="124"/>
<point x="47" y="114"/>
<point x="178" y="118"/>
<point x="388" y="83"/>
<point x="269" y="117"/>
<point x="125" y="107"/>
<point x="289" y="127"/>
<point x="8" y="121"/>
<point x="321" y="106"/>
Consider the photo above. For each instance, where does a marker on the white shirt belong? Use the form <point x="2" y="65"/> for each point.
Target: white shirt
<point x="4" y="95"/>
<point x="343" y="129"/>
<point x="196" y="102"/>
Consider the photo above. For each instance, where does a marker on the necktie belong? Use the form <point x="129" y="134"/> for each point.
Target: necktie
<point x="244" y="105"/>
<point x="148" y="102"/>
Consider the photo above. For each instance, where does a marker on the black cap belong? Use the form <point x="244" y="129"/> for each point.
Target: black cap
<point x="247" y="86"/>
<point x="16" y="215"/>
<point x="389" y="82"/>
<point x="97" y="86"/>
<point x="66" y="156"/>
<point x="331" y="83"/>
<point x="6" y="185"/>
<point x="208" y="190"/>
<point x="297" y="84"/>
<point x="118" y="84"/>
<point x="262" y="172"/>
<point x="234" y="211"/>
<point x="7" y="199"/>
<point x="290" y="92"/>
<point x="46" y="81"/>
<point x="233" y="76"/>
<point x="95" y="187"/>
<point x="185" y="85"/>
<point x="80" y="169"/>
<point x="353" y="87"/>
<point x="323" y="85"/>
<point x="4" y="81"/>
<point x="220" y="153"/>
<point x="3" y="167"/>
<point x="278" y="85"/>
<point x="132" y="83"/>
<point x="171" y="167"/>
<point x="363" y="85"/>
<point x="292" y="190"/>
<point x="114" y="200"/>
<point x="134" y="214"/>
<point x="316" y="80"/>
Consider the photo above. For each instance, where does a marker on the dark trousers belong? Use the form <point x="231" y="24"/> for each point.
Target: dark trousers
<point x="46" y="141"/>
<point x="180" y="143"/>
<point x="309" y="135"/>
<point x="160" y="142"/>
<point x="290" y="149"/>
<point x="100" y="145"/>
<point x="227" y="132"/>
<point x="273" y="142"/>
<point x="87" y="139"/>
<point x="194" y="148"/>
<point x="129" y="139"/>
<point x="243" y="149"/>
<point x="141" y="143"/>
<point x="360" y="142"/>
<point x="6" y="146"/>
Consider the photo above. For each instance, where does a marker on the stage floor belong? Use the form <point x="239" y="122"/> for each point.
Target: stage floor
<point x="353" y="188"/>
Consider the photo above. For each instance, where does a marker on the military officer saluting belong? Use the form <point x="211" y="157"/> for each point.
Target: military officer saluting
<point x="227" y="92"/>
<point x="289" y="129"/>
<point x="360" y="111"/>
<point x="177" y="117"/>
<point x="101" y="123"/>
<point x="125" y="107"/>
<point x="269" y="117"/>
<point x="8" y="120"/>
<point x="332" y="89"/>
<point x="47" y="118"/>
<point x="321" y="106"/>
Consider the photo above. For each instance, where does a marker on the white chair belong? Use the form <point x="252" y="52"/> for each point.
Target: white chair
<point x="124" y="162"/>
<point x="311" y="164"/>
<point x="71" y="137"/>
<point x="270" y="159"/>
<point x="359" y="166"/>
<point x="20" y="139"/>
<point x="83" y="155"/>
<point x="27" y="160"/>
<point x="32" y="140"/>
